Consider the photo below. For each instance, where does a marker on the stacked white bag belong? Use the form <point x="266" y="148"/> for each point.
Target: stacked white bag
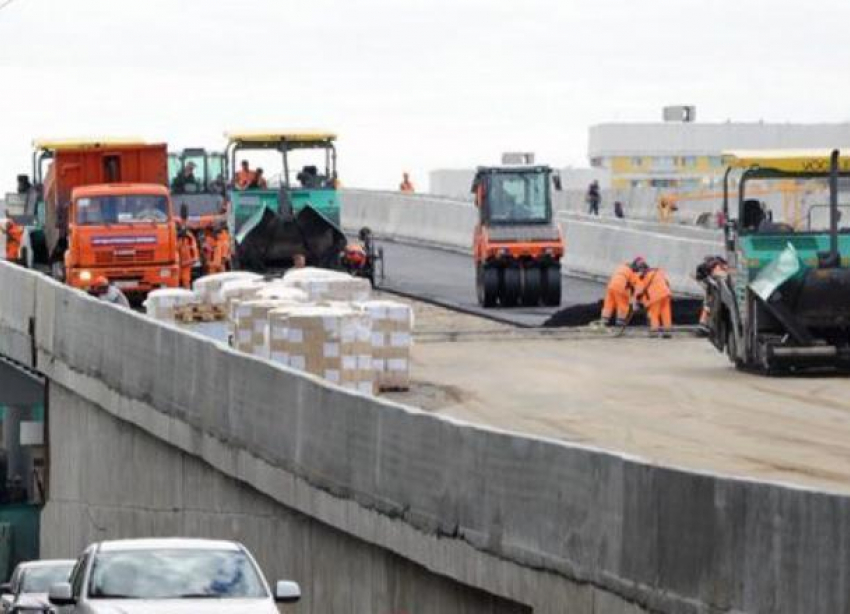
<point x="322" y="285"/>
<point x="208" y="288"/>
<point x="391" y="341"/>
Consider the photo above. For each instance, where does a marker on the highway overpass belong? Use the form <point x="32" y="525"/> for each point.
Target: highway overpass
<point x="379" y="507"/>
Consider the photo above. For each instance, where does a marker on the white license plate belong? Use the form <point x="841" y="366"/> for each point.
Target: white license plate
<point x="123" y="285"/>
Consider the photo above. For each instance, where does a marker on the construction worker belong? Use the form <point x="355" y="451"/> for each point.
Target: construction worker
<point x="189" y="255"/>
<point x="593" y="198"/>
<point x="621" y="287"/>
<point x="258" y="182"/>
<point x="222" y="239"/>
<point x="107" y="292"/>
<point x="244" y="177"/>
<point x="185" y="181"/>
<point x="299" y="261"/>
<point x="716" y="268"/>
<point x="653" y="292"/>
<point x="406" y="185"/>
<point x="14" y="235"/>
<point x="666" y="208"/>
<point x="213" y="252"/>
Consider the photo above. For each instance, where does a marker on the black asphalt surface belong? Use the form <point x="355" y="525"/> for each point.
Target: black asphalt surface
<point x="448" y="278"/>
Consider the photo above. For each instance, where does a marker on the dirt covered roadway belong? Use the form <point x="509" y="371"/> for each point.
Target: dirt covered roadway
<point x="675" y="402"/>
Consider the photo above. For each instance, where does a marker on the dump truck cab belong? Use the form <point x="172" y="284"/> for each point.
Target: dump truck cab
<point x="103" y="208"/>
<point x="298" y="212"/>
<point x="517" y="244"/>
<point x="205" y="197"/>
<point x="124" y="232"/>
<point x="785" y="304"/>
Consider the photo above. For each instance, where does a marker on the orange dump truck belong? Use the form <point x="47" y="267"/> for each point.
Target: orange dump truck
<point x="108" y="211"/>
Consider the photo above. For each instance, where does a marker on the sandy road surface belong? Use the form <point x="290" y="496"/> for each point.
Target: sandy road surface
<point x="668" y="401"/>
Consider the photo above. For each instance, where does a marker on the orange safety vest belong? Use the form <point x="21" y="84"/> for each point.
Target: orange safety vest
<point x="189" y="253"/>
<point x="654" y="287"/>
<point x="624" y="280"/>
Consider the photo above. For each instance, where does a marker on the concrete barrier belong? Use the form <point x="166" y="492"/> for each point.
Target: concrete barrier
<point x="542" y="523"/>
<point x="595" y="246"/>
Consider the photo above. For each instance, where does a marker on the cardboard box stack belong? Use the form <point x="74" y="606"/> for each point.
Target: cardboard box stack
<point x="331" y="342"/>
<point x="208" y="288"/>
<point x="323" y="285"/>
<point x="160" y="304"/>
<point x="249" y="324"/>
<point x="391" y="340"/>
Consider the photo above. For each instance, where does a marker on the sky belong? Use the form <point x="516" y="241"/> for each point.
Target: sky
<point x="410" y="85"/>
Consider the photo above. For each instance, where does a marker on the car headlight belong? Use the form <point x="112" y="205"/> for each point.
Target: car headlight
<point x="85" y="276"/>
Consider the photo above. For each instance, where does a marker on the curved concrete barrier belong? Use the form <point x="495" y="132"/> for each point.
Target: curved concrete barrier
<point x="595" y="246"/>
<point x="547" y="524"/>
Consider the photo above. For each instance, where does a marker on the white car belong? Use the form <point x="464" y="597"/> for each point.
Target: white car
<point x="174" y="576"/>
<point x="27" y="590"/>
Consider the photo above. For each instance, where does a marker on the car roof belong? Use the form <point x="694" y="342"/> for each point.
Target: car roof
<point x="46" y="563"/>
<point x="171" y="543"/>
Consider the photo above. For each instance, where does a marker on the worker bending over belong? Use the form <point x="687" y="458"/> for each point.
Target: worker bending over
<point x="216" y="250"/>
<point x="712" y="268"/>
<point x="621" y="288"/>
<point x="653" y="292"/>
<point x="108" y="292"/>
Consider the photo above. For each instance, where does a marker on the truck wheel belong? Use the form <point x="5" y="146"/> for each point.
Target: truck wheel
<point x="486" y="285"/>
<point x="532" y="281"/>
<point x="552" y="286"/>
<point x="511" y="286"/>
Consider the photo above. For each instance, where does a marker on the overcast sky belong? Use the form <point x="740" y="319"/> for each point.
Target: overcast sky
<point x="416" y="84"/>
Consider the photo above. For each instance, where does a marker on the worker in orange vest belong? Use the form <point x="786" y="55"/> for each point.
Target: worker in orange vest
<point x="244" y="177"/>
<point x="189" y="255"/>
<point x="213" y="254"/>
<point x="406" y="185"/>
<point x="716" y="268"/>
<point x="222" y="238"/>
<point x="14" y="235"/>
<point x="621" y="287"/>
<point x="655" y="295"/>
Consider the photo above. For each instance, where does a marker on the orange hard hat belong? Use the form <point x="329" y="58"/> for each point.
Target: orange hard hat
<point x="355" y="254"/>
<point x="100" y="282"/>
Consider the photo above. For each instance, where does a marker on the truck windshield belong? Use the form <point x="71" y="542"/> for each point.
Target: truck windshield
<point x="123" y="209"/>
<point x="174" y="574"/>
<point x="518" y="197"/>
<point x="791" y="205"/>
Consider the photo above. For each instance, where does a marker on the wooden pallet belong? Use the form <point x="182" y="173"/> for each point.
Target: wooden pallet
<point x="200" y="312"/>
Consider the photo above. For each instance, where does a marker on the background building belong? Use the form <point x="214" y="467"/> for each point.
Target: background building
<point x="682" y="153"/>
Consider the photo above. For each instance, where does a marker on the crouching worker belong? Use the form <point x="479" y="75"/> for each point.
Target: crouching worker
<point x="712" y="269"/>
<point x="655" y="295"/>
<point x="621" y="288"/>
<point x="107" y="292"/>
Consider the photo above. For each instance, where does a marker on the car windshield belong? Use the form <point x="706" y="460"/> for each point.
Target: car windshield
<point x="123" y="209"/>
<point x="40" y="579"/>
<point x="518" y="197"/>
<point x="175" y="574"/>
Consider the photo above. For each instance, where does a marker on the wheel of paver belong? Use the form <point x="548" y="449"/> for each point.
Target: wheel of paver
<point x="552" y="286"/>
<point x="532" y="282"/>
<point x="511" y="286"/>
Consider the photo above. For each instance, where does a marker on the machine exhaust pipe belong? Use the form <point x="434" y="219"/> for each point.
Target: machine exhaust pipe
<point x="832" y="259"/>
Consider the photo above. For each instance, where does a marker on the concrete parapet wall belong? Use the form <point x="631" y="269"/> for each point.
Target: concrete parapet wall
<point x="595" y="246"/>
<point x="538" y="522"/>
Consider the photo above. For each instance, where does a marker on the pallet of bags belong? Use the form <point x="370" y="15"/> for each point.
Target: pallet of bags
<point x="329" y="341"/>
<point x="324" y="285"/>
<point x="162" y="304"/>
<point x="208" y="288"/>
<point x="391" y="340"/>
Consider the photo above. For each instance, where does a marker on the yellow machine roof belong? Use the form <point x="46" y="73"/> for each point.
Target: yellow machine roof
<point x="85" y="143"/>
<point x="271" y="136"/>
<point x="788" y="160"/>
